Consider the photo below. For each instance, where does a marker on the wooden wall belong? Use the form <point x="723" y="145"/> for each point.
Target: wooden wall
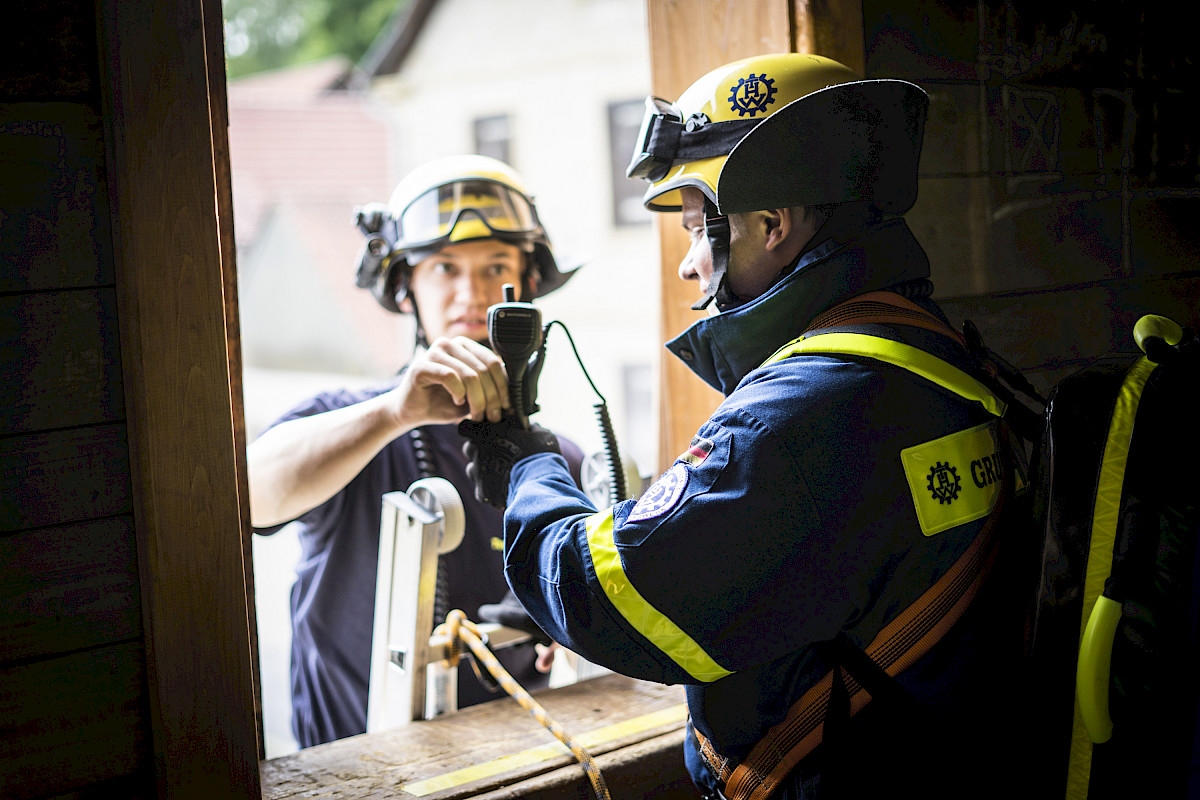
<point x="1058" y="179"/>
<point x="1060" y="171"/>
<point x="125" y="656"/>
<point x="72" y="661"/>
<point x="687" y="39"/>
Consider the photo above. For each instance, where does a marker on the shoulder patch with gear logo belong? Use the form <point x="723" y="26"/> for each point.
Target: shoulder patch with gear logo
<point x="938" y="470"/>
<point x="662" y="496"/>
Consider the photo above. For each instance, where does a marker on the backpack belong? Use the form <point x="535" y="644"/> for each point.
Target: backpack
<point x="1102" y="563"/>
<point x="1113" y="656"/>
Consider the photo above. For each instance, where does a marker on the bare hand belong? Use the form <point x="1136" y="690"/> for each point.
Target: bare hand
<point x="545" y="657"/>
<point x="454" y="379"/>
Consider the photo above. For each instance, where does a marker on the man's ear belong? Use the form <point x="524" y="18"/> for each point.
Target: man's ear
<point x="406" y="303"/>
<point x="777" y="226"/>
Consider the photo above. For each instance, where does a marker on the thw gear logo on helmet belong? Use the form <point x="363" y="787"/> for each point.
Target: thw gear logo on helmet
<point x="752" y="95"/>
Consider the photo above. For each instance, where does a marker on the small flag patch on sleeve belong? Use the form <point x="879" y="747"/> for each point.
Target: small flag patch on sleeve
<point x="697" y="451"/>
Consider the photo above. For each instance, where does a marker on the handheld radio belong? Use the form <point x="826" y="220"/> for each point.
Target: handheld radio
<point x="515" y="330"/>
<point x="517" y="336"/>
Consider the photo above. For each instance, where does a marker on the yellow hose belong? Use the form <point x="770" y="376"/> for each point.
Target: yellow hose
<point x="458" y="628"/>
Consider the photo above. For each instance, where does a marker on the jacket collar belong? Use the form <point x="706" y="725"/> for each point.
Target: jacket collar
<point x="723" y="349"/>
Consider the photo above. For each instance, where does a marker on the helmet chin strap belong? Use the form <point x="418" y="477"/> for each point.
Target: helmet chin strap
<point x="844" y="222"/>
<point x="716" y="227"/>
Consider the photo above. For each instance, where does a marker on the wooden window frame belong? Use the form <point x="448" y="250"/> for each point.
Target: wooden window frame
<point x="162" y="83"/>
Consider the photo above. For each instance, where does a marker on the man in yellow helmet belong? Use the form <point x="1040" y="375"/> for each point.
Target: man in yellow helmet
<point x="816" y="566"/>
<point x="455" y="231"/>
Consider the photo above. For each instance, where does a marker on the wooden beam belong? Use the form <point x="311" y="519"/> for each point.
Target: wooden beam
<point x="218" y="106"/>
<point x="171" y="298"/>
<point x="687" y="39"/>
<point x="832" y="28"/>
<point x="634" y="729"/>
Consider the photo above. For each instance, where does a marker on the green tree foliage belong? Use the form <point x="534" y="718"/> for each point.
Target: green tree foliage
<point x="269" y="34"/>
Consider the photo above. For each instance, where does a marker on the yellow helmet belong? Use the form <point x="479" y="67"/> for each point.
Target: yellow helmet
<point x="447" y="201"/>
<point x="783" y="130"/>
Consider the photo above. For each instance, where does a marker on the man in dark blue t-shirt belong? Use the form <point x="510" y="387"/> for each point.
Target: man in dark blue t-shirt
<point x="454" y="233"/>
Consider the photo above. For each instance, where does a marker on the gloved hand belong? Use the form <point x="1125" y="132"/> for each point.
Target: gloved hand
<point x="493" y="447"/>
<point x="511" y="614"/>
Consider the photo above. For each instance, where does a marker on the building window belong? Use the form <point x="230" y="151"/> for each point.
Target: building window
<point x="624" y="122"/>
<point x="491" y="137"/>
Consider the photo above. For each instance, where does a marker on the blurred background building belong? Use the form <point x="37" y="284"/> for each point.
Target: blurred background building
<point x="554" y="88"/>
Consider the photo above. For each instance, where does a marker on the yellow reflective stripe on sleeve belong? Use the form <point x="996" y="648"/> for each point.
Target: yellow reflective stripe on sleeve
<point x="645" y="618"/>
<point x="955" y="479"/>
<point x="1105" y="516"/>
<point x="900" y="355"/>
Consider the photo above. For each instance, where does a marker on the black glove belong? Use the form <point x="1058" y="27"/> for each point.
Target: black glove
<point x="493" y="447"/>
<point x="511" y="614"/>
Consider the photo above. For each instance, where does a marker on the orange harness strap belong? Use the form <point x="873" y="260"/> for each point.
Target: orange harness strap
<point x="883" y="308"/>
<point x="899" y="645"/>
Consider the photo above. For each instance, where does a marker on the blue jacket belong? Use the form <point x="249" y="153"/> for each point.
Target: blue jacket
<point x="789" y="520"/>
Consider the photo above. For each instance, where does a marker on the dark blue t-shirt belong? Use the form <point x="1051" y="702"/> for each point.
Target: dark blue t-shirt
<point x="333" y="598"/>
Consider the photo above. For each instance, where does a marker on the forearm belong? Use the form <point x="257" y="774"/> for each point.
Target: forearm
<point x="300" y="464"/>
<point x="549" y="566"/>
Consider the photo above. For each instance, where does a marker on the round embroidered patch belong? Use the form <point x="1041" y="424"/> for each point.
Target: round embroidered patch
<point x="662" y="496"/>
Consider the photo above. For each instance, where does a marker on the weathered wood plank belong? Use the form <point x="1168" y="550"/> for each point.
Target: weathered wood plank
<point x="68" y="589"/>
<point x="832" y="28"/>
<point x="653" y="768"/>
<point x="60" y="359"/>
<point x="164" y="183"/>
<point x="482" y="748"/>
<point x="687" y="39"/>
<point x="55" y="218"/>
<point x="48" y="50"/>
<point x="63" y="476"/>
<point x="70" y="722"/>
<point x="127" y="787"/>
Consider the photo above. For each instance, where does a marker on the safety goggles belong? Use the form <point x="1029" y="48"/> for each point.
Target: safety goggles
<point x="463" y="210"/>
<point x="666" y="138"/>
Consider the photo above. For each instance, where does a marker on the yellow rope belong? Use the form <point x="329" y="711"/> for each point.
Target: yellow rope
<point x="458" y="628"/>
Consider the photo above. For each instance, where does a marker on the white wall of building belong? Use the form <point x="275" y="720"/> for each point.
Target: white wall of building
<point x="552" y="67"/>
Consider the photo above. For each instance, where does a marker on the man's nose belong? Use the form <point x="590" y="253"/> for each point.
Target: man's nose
<point x="687" y="269"/>
<point x="472" y="289"/>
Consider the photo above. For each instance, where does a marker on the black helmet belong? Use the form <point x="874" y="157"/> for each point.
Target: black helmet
<point x="782" y="130"/>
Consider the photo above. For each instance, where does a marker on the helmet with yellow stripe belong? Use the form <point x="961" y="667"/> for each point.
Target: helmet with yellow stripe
<point x="448" y="201"/>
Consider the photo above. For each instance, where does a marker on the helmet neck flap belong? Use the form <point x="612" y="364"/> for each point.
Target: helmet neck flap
<point x="723" y="349"/>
